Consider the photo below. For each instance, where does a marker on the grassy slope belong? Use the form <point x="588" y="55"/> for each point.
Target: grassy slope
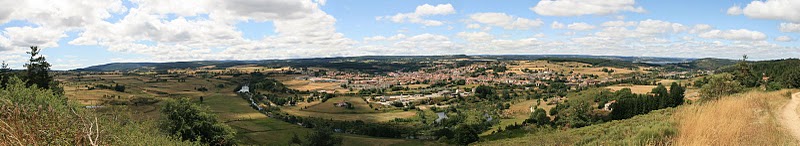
<point x="743" y="119"/>
<point x="632" y="131"/>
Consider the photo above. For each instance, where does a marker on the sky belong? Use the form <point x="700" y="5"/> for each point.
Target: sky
<point x="81" y="33"/>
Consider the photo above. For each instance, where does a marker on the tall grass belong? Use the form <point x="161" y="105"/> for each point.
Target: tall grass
<point x="742" y="119"/>
<point x="33" y="116"/>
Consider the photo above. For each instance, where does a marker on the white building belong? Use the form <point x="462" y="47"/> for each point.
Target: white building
<point x="244" y="89"/>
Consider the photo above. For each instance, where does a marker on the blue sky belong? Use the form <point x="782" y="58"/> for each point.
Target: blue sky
<point x="92" y="32"/>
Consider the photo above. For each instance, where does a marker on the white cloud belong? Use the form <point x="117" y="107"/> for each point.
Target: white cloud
<point x="788" y="10"/>
<point x="650" y="26"/>
<point x="557" y="25"/>
<point x="736" y="34"/>
<point x="784" y="39"/>
<point x="735" y="10"/>
<point x="506" y="21"/>
<point x="580" y="26"/>
<point x="422" y="11"/>
<point x="618" y="24"/>
<point x="473" y="26"/>
<point x="790" y="27"/>
<point x="475" y="36"/>
<point x="699" y="28"/>
<point x="23" y="37"/>
<point x="584" y="7"/>
<point x="383" y="38"/>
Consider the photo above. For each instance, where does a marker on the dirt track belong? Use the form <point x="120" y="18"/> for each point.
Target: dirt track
<point x="789" y="117"/>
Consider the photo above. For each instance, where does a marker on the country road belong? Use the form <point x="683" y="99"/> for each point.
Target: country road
<point x="789" y="117"/>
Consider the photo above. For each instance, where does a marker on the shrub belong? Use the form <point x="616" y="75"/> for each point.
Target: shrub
<point x="190" y="121"/>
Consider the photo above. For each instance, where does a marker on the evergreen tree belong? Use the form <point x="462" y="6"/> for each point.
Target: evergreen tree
<point x="322" y="137"/>
<point x="661" y="95"/>
<point x="5" y="74"/>
<point x="676" y="93"/>
<point x="38" y="69"/>
<point x="744" y="74"/>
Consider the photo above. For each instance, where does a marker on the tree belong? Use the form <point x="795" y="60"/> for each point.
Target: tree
<point x="190" y="121"/>
<point x="676" y="93"/>
<point x="744" y="74"/>
<point x="295" y="140"/>
<point x="322" y="137"/>
<point x="38" y="69"/>
<point x="719" y="85"/>
<point x="5" y="74"/>
<point x="662" y="96"/>
<point x="465" y="134"/>
<point x="539" y="117"/>
<point x="791" y="78"/>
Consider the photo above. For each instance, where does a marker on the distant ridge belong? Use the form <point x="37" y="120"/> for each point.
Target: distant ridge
<point x="309" y="62"/>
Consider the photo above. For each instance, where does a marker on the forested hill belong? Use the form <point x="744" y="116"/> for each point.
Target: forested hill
<point x="701" y="64"/>
<point x="381" y="63"/>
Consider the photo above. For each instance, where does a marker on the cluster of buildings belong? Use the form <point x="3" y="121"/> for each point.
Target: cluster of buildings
<point x="471" y="74"/>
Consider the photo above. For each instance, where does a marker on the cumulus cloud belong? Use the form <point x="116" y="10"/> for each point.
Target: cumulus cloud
<point x="580" y="26"/>
<point x="784" y="39"/>
<point x="505" y="21"/>
<point x="383" y="38"/>
<point x="23" y="37"/>
<point x="736" y="34"/>
<point x="735" y="10"/>
<point x="618" y="24"/>
<point x="790" y="27"/>
<point x="557" y="25"/>
<point x="699" y="28"/>
<point x="475" y="36"/>
<point x="420" y="12"/>
<point x="584" y="7"/>
<point x="788" y="10"/>
<point x="473" y="26"/>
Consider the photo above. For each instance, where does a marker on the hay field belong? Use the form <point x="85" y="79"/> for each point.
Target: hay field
<point x="369" y="117"/>
<point x="638" y="89"/>
<point x="576" y="67"/>
<point x="359" y="106"/>
<point x="742" y="119"/>
<point x="292" y="82"/>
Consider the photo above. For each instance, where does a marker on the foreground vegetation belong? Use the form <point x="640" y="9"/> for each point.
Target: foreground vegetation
<point x="749" y="118"/>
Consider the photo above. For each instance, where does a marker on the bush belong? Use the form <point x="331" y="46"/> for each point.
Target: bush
<point x="191" y="122"/>
<point x="718" y="86"/>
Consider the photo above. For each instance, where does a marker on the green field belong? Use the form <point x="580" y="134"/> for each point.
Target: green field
<point x="638" y="130"/>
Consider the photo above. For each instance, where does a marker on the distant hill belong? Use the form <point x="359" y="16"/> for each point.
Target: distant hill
<point x="701" y="64"/>
<point x="380" y="64"/>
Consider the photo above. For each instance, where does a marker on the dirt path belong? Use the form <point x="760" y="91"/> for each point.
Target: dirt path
<point x="789" y="116"/>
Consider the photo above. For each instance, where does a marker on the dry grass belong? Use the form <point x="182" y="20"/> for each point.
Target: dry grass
<point x="742" y="119"/>
<point x="359" y="106"/>
<point x="638" y="89"/>
<point x="298" y="84"/>
<point x="370" y="117"/>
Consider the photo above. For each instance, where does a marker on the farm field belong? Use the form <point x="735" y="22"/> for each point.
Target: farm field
<point x="638" y="89"/>
<point x="576" y="67"/>
<point x="359" y="106"/>
<point x="293" y="82"/>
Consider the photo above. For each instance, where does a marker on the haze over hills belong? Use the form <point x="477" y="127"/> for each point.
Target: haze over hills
<point x="307" y="61"/>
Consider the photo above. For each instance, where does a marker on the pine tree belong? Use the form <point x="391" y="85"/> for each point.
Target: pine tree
<point x="744" y="74"/>
<point x="38" y="69"/>
<point x="5" y="74"/>
<point x="676" y="93"/>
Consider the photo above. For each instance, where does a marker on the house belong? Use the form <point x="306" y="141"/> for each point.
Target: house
<point x="341" y="104"/>
<point x="607" y="106"/>
<point x="442" y="116"/>
<point x="245" y="89"/>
